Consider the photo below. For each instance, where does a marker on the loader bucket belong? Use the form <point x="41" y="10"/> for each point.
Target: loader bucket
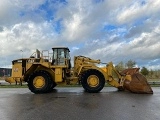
<point x="138" y="83"/>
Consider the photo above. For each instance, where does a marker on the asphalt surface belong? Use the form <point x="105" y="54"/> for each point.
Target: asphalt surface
<point x="72" y="103"/>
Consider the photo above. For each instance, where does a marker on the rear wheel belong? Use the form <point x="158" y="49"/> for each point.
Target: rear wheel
<point x="53" y="84"/>
<point x="92" y="80"/>
<point x="40" y="82"/>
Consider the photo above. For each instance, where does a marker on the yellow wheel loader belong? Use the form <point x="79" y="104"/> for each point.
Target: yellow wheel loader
<point x="44" y="70"/>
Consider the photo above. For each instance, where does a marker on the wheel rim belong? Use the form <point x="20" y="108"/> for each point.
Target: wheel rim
<point x="93" y="81"/>
<point x="38" y="82"/>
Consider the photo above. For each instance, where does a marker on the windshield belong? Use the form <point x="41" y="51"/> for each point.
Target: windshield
<point x="60" y="55"/>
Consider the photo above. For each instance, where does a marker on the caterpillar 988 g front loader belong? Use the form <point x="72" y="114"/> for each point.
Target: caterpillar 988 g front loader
<point x="43" y="72"/>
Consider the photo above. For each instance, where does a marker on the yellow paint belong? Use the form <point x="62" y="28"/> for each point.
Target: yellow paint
<point x="38" y="82"/>
<point x="58" y="74"/>
<point x="93" y="81"/>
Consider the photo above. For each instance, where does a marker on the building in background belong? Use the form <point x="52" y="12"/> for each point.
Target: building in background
<point x="5" y="72"/>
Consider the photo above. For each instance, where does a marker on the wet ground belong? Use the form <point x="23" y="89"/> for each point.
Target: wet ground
<point x="72" y="103"/>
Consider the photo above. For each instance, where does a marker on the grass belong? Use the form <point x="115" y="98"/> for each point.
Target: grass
<point x="7" y="85"/>
<point x="13" y="86"/>
<point x="149" y="79"/>
<point x="25" y="86"/>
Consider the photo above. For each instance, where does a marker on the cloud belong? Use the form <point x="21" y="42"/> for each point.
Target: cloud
<point x="144" y="49"/>
<point x="137" y="10"/>
<point x="15" y="11"/>
<point x="85" y="20"/>
<point x="26" y="36"/>
<point x="7" y="12"/>
<point x="146" y="46"/>
<point x="111" y="31"/>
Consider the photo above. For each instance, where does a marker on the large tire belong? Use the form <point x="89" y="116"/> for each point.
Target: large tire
<point x="40" y="82"/>
<point x="53" y="84"/>
<point x="92" y="81"/>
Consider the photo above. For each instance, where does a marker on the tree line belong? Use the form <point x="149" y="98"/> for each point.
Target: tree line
<point x="149" y="73"/>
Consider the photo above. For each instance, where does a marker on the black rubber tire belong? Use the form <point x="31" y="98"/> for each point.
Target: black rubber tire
<point x="48" y="82"/>
<point x="53" y="84"/>
<point x="85" y="75"/>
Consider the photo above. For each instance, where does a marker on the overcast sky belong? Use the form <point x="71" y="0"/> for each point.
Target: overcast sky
<point x="110" y="30"/>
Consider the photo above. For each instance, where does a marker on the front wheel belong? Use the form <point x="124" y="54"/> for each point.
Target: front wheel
<point x="92" y="80"/>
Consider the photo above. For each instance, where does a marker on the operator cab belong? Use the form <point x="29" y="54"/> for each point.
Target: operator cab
<point x="61" y="56"/>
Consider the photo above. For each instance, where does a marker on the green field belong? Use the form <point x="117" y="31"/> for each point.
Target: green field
<point x="25" y="86"/>
<point x="13" y="85"/>
<point x="153" y="79"/>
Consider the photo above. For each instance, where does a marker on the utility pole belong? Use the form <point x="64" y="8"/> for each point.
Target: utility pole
<point x="22" y="53"/>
